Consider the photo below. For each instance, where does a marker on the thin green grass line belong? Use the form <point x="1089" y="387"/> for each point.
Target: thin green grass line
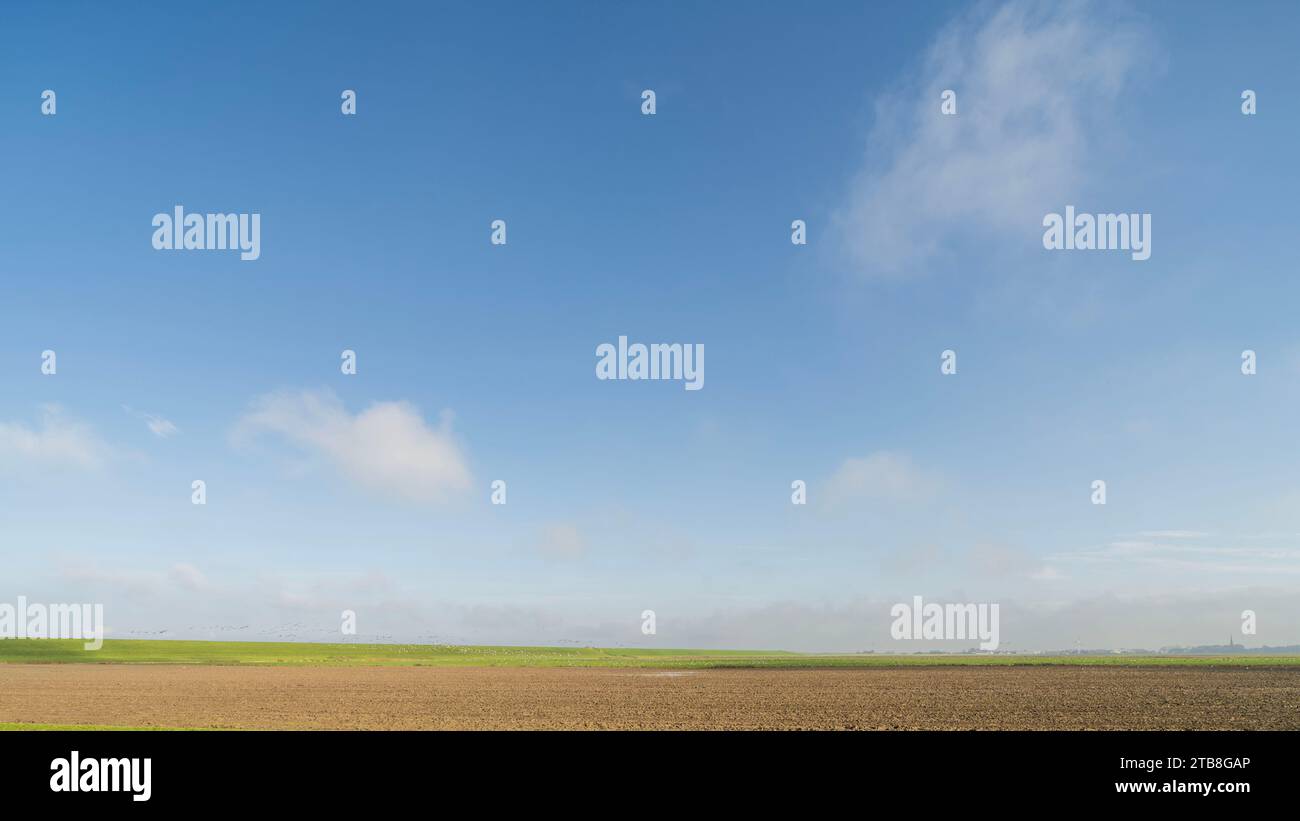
<point x="19" y="726"/>
<point x="292" y="654"/>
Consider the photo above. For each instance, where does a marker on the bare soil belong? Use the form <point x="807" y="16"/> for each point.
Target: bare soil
<point x="954" y="698"/>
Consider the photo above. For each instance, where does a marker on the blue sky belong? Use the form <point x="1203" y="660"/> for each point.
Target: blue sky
<point x="476" y="362"/>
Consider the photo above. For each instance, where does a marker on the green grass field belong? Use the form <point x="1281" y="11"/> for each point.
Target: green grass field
<point x="124" y="651"/>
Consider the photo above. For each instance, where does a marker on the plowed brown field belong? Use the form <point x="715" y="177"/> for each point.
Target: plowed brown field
<point x="583" y="698"/>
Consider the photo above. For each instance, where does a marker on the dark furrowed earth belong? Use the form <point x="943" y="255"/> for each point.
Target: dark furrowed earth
<point x="415" y="698"/>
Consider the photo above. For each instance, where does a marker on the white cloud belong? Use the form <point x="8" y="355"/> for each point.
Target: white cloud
<point x="387" y="447"/>
<point x="158" y="426"/>
<point x="1006" y="562"/>
<point x="179" y="578"/>
<point x="1034" y="83"/>
<point x="1265" y="562"/>
<point x="307" y="605"/>
<point x="879" y="477"/>
<point x="131" y="582"/>
<point x="58" y="442"/>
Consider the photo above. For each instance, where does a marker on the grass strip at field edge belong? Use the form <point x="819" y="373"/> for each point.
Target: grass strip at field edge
<point x="290" y="654"/>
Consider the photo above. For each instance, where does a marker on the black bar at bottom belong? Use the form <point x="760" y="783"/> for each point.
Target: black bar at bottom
<point x="335" y="770"/>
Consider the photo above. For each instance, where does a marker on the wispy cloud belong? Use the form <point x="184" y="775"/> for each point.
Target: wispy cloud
<point x="562" y="541"/>
<point x="387" y="447"/>
<point x="1174" y="554"/>
<point x="1006" y="562"/>
<point x="1034" y="82"/>
<point x="187" y="576"/>
<point x="879" y="477"/>
<point x="57" y="441"/>
<point x="180" y="578"/>
<point x="158" y="426"/>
